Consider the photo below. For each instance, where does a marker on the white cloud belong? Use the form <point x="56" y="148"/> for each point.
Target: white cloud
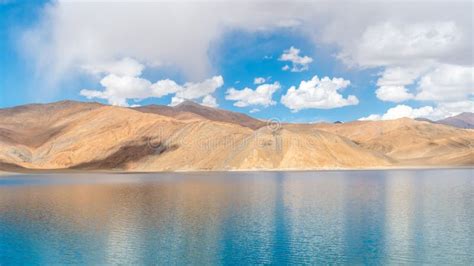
<point x="121" y="81"/>
<point x="393" y="81"/>
<point x="401" y="111"/>
<point x="299" y="63"/>
<point x="444" y="84"/>
<point x="424" y="61"/>
<point x="372" y="117"/>
<point x="262" y="95"/>
<point x="259" y="80"/>
<point x="319" y="94"/>
<point x="447" y="83"/>
<point x="434" y="113"/>
<point x="176" y="100"/>
<point x="448" y="109"/>
<point x="437" y="82"/>
<point x="209" y="101"/>
<point x="254" y="110"/>
<point x="125" y="67"/>
<point x="285" y="68"/>
<point x="164" y="87"/>
<point x="393" y="93"/>
<point x="289" y="23"/>
<point x="197" y="90"/>
<point x="390" y="43"/>
<point x="118" y="89"/>
<point x="143" y="31"/>
<point x="401" y="35"/>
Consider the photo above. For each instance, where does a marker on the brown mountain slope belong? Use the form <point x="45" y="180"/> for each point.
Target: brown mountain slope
<point x="410" y="141"/>
<point x="190" y="110"/>
<point x="168" y="111"/>
<point x="32" y="125"/>
<point x="92" y="136"/>
<point x="223" y="146"/>
<point x="72" y="135"/>
<point x="82" y="136"/>
<point x="462" y="120"/>
<point x="287" y="149"/>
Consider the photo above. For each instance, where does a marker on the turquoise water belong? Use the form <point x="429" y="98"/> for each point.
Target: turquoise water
<point x="336" y="217"/>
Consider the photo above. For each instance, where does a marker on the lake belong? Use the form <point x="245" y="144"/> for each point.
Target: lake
<point x="335" y="217"/>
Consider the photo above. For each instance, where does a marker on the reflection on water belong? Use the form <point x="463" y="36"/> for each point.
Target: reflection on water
<point x="368" y="217"/>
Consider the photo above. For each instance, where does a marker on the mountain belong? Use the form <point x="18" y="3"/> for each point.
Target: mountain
<point x="410" y="142"/>
<point x="190" y="110"/>
<point x="424" y="119"/>
<point x="463" y="120"/>
<point x="90" y="136"/>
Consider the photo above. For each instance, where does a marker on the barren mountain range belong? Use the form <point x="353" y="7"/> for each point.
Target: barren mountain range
<point x="92" y="136"/>
<point x="463" y="120"/>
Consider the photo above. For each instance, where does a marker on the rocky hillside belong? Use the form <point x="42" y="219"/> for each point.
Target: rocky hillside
<point x="410" y="142"/>
<point x="463" y="120"/>
<point x="189" y="110"/>
<point x="91" y="136"/>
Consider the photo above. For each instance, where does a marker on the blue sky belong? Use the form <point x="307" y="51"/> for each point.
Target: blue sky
<point x="50" y="53"/>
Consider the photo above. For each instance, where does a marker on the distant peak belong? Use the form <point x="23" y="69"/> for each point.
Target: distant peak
<point x="423" y="119"/>
<point x="466" y="114"/>
<point x="188" y="103"/>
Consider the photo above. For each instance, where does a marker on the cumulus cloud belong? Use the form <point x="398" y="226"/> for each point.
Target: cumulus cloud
<point x="401" y="32"/>
<point x="400" y="111"/>
<point x="165" y="87"/>
<point x="142" y="31"/>
<point x="395" y="43"/>
<point x="393" y="93"/>
<point x="393" y="81"/>
<point x="400" y="36"/>
<point x="449" y="86"/>
<point x="262" y="95"/>
<point x="436" y="82"/>
<point x="258" y="80"/>
<point x="118" y="89"/>
<point x="176" y="100"/>
<point x="444" y="110"/>
<point x="124" y="67"/>
<point x="319" y="94"/>
<point x="425" y="56"/>
<point x="254" y="110"/>
<point x="209" y="101"/>
<point x="372" y="117"/>
<point x="434" y="113"/>
<point x="195" y="90"/>
<point x="299" y="63"/>
<point x="122" y="82"/>
<point x="447" y="83"/>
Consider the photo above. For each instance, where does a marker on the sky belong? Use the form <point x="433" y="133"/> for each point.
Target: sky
<point x="299" y="61"/>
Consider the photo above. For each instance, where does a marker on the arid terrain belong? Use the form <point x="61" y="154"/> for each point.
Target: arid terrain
<point x="92" y="136"/>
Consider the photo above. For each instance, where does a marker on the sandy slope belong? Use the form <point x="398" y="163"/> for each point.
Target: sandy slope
<point x="188" y="110"/>
<point x="71" y="135"/>
<point x="410" y="141"/>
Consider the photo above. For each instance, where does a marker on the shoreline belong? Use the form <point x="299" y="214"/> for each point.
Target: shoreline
<point x="66" y="171"/>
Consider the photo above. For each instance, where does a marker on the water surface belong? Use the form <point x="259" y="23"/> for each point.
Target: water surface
<point x="369" y="217"/>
